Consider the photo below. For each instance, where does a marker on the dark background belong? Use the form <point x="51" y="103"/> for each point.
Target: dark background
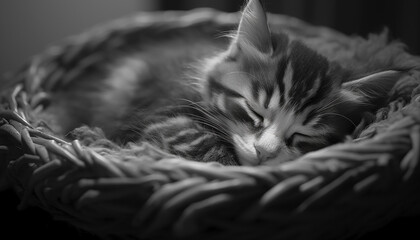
<point x="28" y="27"/>
<point x="360" y="17"/>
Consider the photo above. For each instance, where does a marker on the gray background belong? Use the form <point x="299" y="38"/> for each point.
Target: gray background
<point x="27" y="27"/>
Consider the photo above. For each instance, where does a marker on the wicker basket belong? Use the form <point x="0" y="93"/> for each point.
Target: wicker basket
<point x="338" y="192"/>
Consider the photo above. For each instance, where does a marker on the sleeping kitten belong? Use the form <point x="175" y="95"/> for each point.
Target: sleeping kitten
<point x="268" y="97"/>
<point x="279" y="99"/>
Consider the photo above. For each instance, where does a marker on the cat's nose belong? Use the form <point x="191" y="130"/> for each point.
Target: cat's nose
<point x="264" y="154"/>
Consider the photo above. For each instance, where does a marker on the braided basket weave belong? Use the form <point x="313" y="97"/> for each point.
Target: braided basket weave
<point x="336" y="193"/>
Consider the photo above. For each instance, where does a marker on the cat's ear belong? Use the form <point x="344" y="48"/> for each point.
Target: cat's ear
<point x="372" y="89"/>
<point x="253" y="27"/>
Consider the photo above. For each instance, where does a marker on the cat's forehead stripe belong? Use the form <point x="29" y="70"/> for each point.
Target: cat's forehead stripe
<point x="274" y="101"/>
<point x="269" y="95"/>
<point x="238" y="111"/>
<point x="288" y="81"/>
<point x="220" y="88"/>
<point x="281" y="67"/>
<point x="311" y="92"/>
<point x="305" y="77"/>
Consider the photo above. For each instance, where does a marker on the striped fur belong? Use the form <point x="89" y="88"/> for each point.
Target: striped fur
<point x="278" y="99"/>
<point x="265" y="99"/>
<point x="180" y="131"/>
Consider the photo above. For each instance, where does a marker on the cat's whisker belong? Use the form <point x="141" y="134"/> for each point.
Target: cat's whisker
<point x="206" y="121"/>
<point x="220" y="134"/>
<point x="215" y="121"/>
<point x="200" y="108"/>
<point x="330" y="105"/>
<point x="214" y="126"/>
<point x="340" y="115"/>
<point x="252" y="77"/>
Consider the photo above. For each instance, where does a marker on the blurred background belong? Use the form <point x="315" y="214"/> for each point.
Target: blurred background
<point x="28" y="27"/>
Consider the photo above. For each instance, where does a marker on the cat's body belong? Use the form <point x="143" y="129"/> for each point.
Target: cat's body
<point x="269" y="96"/>
<point x="140" y="96"/>
<point x="261" y="98"/>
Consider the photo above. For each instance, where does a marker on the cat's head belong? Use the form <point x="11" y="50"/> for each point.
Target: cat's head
<point x="277" y="99"/>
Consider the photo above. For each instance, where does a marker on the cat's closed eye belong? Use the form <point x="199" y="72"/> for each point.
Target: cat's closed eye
<point x="304" y="142"/>
<point x="296" y="138"/>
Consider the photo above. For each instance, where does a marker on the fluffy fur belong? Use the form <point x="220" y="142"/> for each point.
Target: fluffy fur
<point x="260" y="98"/>
<point x="277" y="99"/>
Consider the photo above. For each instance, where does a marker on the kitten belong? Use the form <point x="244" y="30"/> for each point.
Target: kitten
<point x="264" y="99"/>
<point x="278" y="99"/>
